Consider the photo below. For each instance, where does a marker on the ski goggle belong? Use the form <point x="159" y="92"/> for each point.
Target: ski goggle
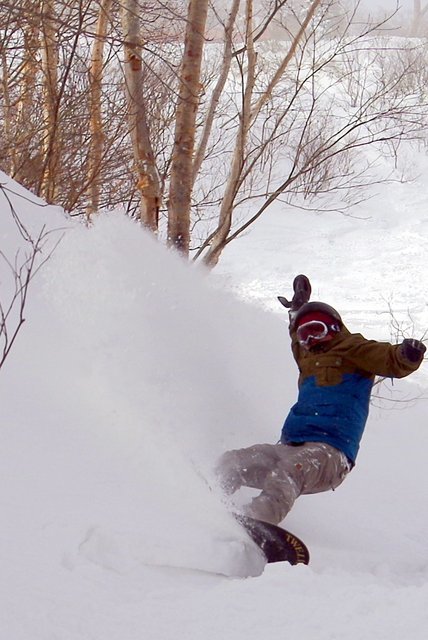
<point x="313" y="330"/>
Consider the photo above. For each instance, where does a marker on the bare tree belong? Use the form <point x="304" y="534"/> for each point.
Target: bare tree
<point x="95" y="154"/>
<point x="184" y="141"/>
<point x="49" y="51"/>
<point x="20" y="66"/>
<point x="219" y="87"/>
<point x="249" y="114"/>
<point x="144" y="159"/>
<point x="197" y="124"/>
<point x="304" y="131"/>
<point x="18" y="274"/>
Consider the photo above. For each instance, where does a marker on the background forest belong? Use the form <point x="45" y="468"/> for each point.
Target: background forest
<point x="196" y="116"/>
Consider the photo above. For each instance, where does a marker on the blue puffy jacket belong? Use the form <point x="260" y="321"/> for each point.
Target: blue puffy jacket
<point x="335" y="383"/>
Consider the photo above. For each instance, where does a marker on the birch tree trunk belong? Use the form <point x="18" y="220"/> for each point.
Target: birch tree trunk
<point x="184" y="140"/>
<point x="218" y="89"/>
<point x="50" y="146"/>
<point x="148" y="181"/>
<point x="267" y="94"/>
<point x="7" y="115"/>
<point x="96" y="121"/>
<point x="239" y="154"/>
<point x="25" y="108"/>
<point x="248" y="115"/>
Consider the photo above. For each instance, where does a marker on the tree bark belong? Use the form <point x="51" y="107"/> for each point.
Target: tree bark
<point x="184" y="140"/>
<point x="23" y="125"/>
<point x="7" y="116"/>
<point x="96" y="121"/>
<point x="148" y="181"/>
<point x="50" y="142"/>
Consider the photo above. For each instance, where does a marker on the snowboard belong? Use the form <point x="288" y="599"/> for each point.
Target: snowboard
<point x="277" y="544"/>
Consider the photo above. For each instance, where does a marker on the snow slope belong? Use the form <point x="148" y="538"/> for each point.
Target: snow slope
<point x="134" y="371"/>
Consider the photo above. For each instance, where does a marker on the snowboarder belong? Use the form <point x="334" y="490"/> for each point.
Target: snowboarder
<point x="322" y="432"/>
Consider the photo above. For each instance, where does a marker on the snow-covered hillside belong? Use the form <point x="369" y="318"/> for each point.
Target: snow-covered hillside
<point x="134" y="371"/>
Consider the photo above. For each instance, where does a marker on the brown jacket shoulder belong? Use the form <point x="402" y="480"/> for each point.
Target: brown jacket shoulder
<point x="351" y="352"/>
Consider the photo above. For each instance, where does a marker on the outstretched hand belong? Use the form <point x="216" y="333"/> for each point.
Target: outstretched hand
<point x="413" y="350"/>
<point x="302" y="292"/>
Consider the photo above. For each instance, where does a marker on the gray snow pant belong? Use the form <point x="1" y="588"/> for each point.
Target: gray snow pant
<point x="283" y="472"/>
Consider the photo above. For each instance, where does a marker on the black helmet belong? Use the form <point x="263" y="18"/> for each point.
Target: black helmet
<point x="320" y="307"/>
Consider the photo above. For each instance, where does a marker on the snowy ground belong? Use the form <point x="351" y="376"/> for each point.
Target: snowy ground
<point x="133" y="373"/>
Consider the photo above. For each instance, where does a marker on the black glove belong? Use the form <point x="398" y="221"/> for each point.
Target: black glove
<point x="302" y="293"/>
<point x="413" y="350"/>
